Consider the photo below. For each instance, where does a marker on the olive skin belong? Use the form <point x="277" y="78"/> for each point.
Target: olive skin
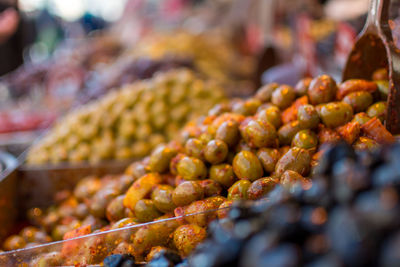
<point x="223" y="174"/>
<point x="239" y="190"/>
<point x="87" y="187"/>
<point x="288" y="131"/>
<point x="215" y="151"/>
<point x="195" y="209"/>
<point x="246" y="108"/>
<point x="187" y="192"/>
<point x="268" y="158"/>
<point x="146" y="211"/>
<point x="162" y="198"/>
<point x="264" y="94"/>
<point x="335" y="114"/>
<point x="115" y="210"/>
<point x="361" y="118"/>
<point x="259" y="134"/>
<point x="247" y="166"/>
<point x="272" y="115"/>
<point x="194" y="148"/>
<point x="383" y="88"/>
<point x="378" y="110"/>
<point x="261" y="187"/>
<point x="191" y="169"/>
<point x="296" y="159"/>
<point x="228" y="132"/>
<point x="211" y="188"/>
<point x="136" y="170"/>
<point x="308" y="117"/>
<point x="283" y="96"/>
<point x="290" y="178"/>
<point x="173" y="165"/>
<point x="100" y="202"/>
<point x="302" y="86"/>
<point x="322" y="89"/>
<point x="187" y="237"/>
<point x="359" y="101"/>
<point x="365" y="143"/>
<point x="224" y="208"/>
<point x="306" y="139"/>
<point x="14" y="242"/>
<point x="160" y="158"/>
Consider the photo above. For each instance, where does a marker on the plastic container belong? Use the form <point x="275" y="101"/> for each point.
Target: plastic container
<point x="92" y="249"/>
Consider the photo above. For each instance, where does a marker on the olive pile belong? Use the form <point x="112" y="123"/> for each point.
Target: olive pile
<point x="241" y="151"/>
<point x="129" y="122"/>
<point x="349" y="216"/>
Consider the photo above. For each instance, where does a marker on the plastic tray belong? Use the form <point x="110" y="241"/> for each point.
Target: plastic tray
<point x="92" y="249"/>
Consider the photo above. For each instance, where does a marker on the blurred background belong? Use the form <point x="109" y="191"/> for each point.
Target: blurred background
<point x="56" y="55"/>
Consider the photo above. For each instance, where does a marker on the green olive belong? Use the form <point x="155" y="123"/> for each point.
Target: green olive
<point x="211" y="188"/>
<point x="136" y="169"/>
<point x="322" y="90"/>
<point x="296" y="159"/>
<point x="191" y="168"/>
<point x="305" y="139"/>
<point x="290" y="178"/>
<point x="361" y="118"/>
<point x="264" y="94"/>
<point x="223" y="174"/>
<point x="259" y="188"/>
<point x="335" y="114"/>
<point x="239" y="190"/>
<point x="283" y="96"/>
<point x="259" y="134"/>
<point x="308" y="117"/>
<point x="187" y="237"/>
<point x="271" y="114"/>
<point x="194" y="148"/>
<point x="116" y="210"/>
<point x="247" y="166"/>
<point x="146" y="211"/>
<point x="359" y="101"/>
<point x="14" y="242"/>
<point x="365" y="143"/>
<point x="162" y="198"/>
<point x="302" y="86"/>
<point x="228" y="132"/>
<point x="378" y="110"/>
<point x="215" y="151"/>
<point x="173" y="165"/>
<point x="383" y="88"/>
<point x="288" y="131"/>
<point x="100" y="201"/>
<point x="160" y="158"/>
<point x="268" y="158"/>
<point x="247" y="108"/>
<point x="187" y="192"/>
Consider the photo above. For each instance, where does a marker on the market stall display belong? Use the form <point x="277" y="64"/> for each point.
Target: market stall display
<point x="242" y="150"/>
<point x="127" y="123"/>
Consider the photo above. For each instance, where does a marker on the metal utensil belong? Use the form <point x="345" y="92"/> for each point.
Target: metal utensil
<point x="373" y="50"/>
